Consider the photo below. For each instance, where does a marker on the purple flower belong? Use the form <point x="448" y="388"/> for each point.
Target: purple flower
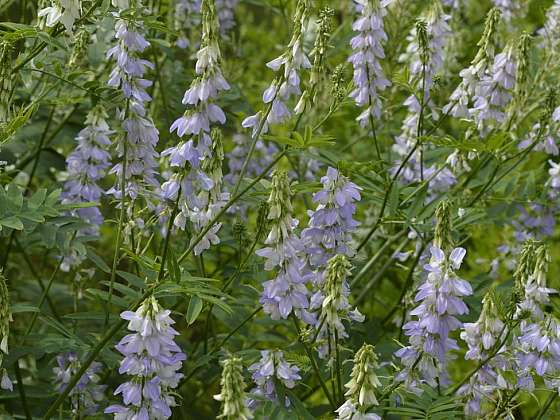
<point x="331" y="224"/>
<point x="198" y="160"/>
<point x="440" y="301"/>
<point x="270" y="368"/>
<point x="86" y="166"/>
<point x="141" y="135"/>
<point x="367" y="51"/>
<point x="87" y="394"/>
<point x="153" y="362"/>
<point x="287" y="292"/>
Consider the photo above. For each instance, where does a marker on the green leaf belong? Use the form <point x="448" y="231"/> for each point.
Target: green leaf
<point x="194" y="309"/>
<point x="393" y="202"/>
<point x="98" y="261"/>
<point x="23" y="307"/>
<point x="12" y="222"/>
<point x="132" y="279"/>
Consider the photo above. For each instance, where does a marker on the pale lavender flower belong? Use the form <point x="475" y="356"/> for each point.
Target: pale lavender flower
<point x="200" y="197"/>
<point x="481" y="337"/>
<point x="262" y="157"/>
<point x="549" y="136"/>
<point x="367" y="46"/>
<point x="153" y="362"/>
<point x="471" y="76"/>
<point x="553" y="182"/>
<point x="538" y="352"/>
<point x="226" y="14"/>
<point x="509" y="8"/>
<point x="87" y="394"/>
<point x="425" y="62"/>
<point x="63" y="11"/>
<point x="287" y="84"/>
<point x="287" y="292"/>
<point x="424" y="70"/>
<point x="551" y="29"/>
<point x="440" y="298"/>
<point x="494" y="91"/>
<point x="186" y="17"/>
<point x="331" y="224"/>
<point x="87" y="165"/>
<point x="270" y="368"/>
<point x="141" y="136"/>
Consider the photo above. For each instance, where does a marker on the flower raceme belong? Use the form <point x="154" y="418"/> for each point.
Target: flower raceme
<point x="287" y="292"/>
<point x="199" y="193"/>
<point x="440" y="301"/>
<point x="152" y="360"/>
<point x="270" y="368"/>
<point x="367" y="47"/>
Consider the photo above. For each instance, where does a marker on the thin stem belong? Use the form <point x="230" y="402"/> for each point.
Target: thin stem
<point x="43" y="297"/>
<point x="21" y="390"/>
<point x="338" y="367"/>
<point x="380" y="273"/>
<point x="547" y="405"/>
<point x="39" y="280"/>
<point x="230" y="203"/>
<point x="314" y="364"/>
<point x="223" y="342"/>
<point x="119" y="230"/>
<point x="407" y="285"/>
<point x="375" y="257"/>
<point x="254" y="140"/>
<point x="386" y="198"/>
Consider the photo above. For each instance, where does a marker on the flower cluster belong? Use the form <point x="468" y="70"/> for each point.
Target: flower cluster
<point x="63" y="11"/>
<point x="461" y="97"/>
<point x="550" y="32"/>
<point x="425" y="55"/>
<point x="232" y="396"/>
<point x="361" y="387"/>
<point x="86" y="166"/>
<point x="440" y="298"/>
<point x="185" y="17"/>
<point x="539" y="352"/>
<point x="152" y="359"/>
<point x="509" y="8"/>
<point x="226" y="14"/>
<point x="272" y="368"/>
<point x="87" y="394"/>
<point x="493" y="92"/>
<point x="367" y="45"/>
<point x="137" y="166"/>
<point x="199" y="193"/>
<point x="482" y="337"/>
<point x="287" y="292"/>
<point x="287" y="83"/>
<point x="332" y="299"/>
<point x="6" y="91"/>
<point x="331" y="224"/>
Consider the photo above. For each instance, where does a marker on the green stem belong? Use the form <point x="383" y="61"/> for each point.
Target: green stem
<point x="378" y="275"/>
<point x="119" y="231"/>
<point x="230" y="203"/>
<point x="547" y="405"/>
<point x="44" y="297"/>
<point x="314" y="364"/>
<point x="386" y="198"/>
<point x="21" y="390"/>
<point x="120" y="323"/>
<point x="39" y="280"/>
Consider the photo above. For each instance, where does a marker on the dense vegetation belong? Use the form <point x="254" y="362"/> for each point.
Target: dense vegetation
<point x="279" y="209"/>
